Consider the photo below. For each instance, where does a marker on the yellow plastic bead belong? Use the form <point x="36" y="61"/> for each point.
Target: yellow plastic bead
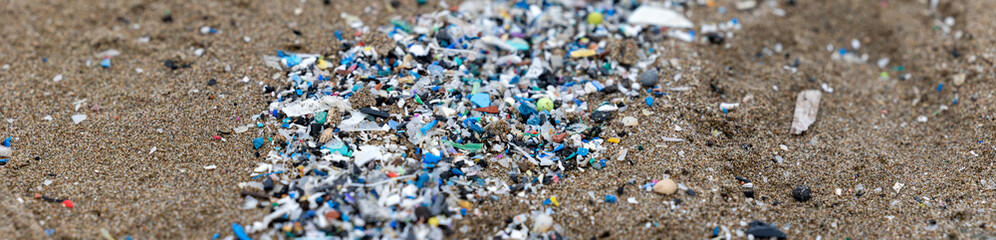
<point x="584" y="52"/>
<point x="595" y="18"/>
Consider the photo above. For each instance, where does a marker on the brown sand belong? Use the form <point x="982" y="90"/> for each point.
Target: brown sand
<point x="104" y="163"/>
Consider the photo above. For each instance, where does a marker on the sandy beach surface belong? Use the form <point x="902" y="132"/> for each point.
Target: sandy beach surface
<point x="136" y="166"/>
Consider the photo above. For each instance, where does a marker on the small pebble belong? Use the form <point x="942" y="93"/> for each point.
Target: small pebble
<point x="801" y="193"/>
<point x="666" y="186"/>
<point x="649" y="78"/>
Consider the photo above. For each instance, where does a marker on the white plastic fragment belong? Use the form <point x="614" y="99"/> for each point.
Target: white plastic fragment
<point x="746" y="4"/>
<point x="883" y="62"/>
<point x="542" y="223"/>
<point x="826" y="87"/>
<point x="5" y="152"/>
<point x="107" y="53"/>
<point x="658" y="16"/>
<point x="958" y="79"/>
<point x="368" y="153"/>
<point x="629" y="121"/>
<point x="728" y="106"/>
<point x="79" y="118"/>
<point x="807" y="105"/>
<point x="57" y="78"/>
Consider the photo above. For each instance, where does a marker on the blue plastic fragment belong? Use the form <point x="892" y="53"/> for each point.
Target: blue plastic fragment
<point x="6" y="142"/>
<point x="526" y="110"/>
<point x="481" y="99"/>
<point x="940" y="86"/>
<point x="429" y="126"/>
<point x="430" y="158"/>
<point x="106" y="63"/>
<point x="292" y="60"/>
<point x="609" y="198"/>
<point x="649" y="100"/>
<point x="258" y="142"/>
<point x="476" y="128"/>
<point x="533" y="120"/>
<point x="582" y="151"/>
<point x="598" y="86"/>
<point x="240" y="232"/>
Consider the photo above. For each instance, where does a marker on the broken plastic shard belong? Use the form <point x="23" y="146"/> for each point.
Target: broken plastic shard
<point x="629" y="121"/>
<point x="302" y="108"/>
<point x="481" y="99"/>
<point x="79" y="118"/>
<point x="584" y="52"/>
<point x="242" y="129"/>
<point x="497" y="42"/>
<point x="728" y="106"/>
<point x="107" y="53"/>
<point x="473" y="147"/>
<point x="659" y="16"/>
<point x="807" y="104"/>
<point x="250" y="202"/>
<point x="5" y="152"/>
<point x="357" y="122"/>
<point x="368" y="153"/>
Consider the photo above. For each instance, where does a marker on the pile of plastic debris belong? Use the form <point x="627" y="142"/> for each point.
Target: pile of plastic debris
<point x="395" y="142"/>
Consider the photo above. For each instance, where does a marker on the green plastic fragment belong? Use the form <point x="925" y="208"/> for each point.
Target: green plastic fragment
<point x="320" y="117"/>
<point x="404" y="26"/>
<point x="477" y="87"/>
<point x="473" y="147"/>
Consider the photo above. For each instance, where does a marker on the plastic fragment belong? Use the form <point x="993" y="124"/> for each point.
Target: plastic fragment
<point x="807" y="105"/>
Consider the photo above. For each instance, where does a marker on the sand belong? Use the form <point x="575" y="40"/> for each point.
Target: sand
<point x="866" y="132"/>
